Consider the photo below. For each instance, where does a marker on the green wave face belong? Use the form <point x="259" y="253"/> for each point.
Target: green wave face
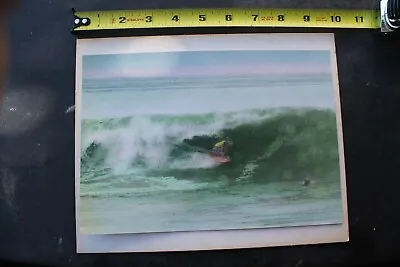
<point x="268" y="145"/>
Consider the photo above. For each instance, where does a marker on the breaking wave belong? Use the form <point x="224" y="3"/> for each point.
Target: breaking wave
<point x="171" y="151"/>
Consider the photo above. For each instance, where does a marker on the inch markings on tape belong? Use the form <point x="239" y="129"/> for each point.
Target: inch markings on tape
<point x="173" y="18"/>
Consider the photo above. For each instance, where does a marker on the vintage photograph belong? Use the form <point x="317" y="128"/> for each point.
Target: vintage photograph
<point x="209" y="133"/>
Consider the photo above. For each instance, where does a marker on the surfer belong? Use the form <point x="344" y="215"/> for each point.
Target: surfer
<point x="221" y="148"/>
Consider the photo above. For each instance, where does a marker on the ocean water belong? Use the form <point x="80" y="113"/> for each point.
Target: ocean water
<point x="145" y="167"/>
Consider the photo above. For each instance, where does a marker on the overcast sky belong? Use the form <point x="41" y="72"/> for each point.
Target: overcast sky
<point x="205" y="63"/>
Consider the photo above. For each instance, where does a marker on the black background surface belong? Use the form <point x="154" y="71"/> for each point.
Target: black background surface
<point x="37" y="205"/>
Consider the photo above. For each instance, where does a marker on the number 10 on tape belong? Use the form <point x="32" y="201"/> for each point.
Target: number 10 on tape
<point x="103" y="20"/>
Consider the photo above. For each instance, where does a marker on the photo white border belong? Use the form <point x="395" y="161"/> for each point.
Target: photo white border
<point x="221" y="239"/>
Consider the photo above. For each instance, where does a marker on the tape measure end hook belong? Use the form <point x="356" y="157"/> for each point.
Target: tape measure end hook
<point x="78" y="21"/>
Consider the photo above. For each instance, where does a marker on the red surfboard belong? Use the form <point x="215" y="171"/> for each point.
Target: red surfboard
<point x="219" y="159"/>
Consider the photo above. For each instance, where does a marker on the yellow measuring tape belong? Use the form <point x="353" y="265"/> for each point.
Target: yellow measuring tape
<point x="172" y="18"/>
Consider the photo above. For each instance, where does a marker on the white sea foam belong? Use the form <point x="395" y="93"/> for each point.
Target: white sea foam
<point x="152" y="140"/>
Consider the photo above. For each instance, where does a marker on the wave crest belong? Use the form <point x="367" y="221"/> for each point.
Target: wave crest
<point x="148" y="141"/>
<point x="268" y="144"/>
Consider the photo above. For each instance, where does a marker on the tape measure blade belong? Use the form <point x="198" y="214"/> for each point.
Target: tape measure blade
<point x="159" y="18"/>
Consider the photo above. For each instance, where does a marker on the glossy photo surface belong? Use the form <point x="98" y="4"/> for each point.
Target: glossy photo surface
<point x="222" y="133"/>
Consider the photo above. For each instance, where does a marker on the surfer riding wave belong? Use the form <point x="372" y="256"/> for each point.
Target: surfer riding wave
<point x="221" y="148"/>
<point x="276" y="144"/>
